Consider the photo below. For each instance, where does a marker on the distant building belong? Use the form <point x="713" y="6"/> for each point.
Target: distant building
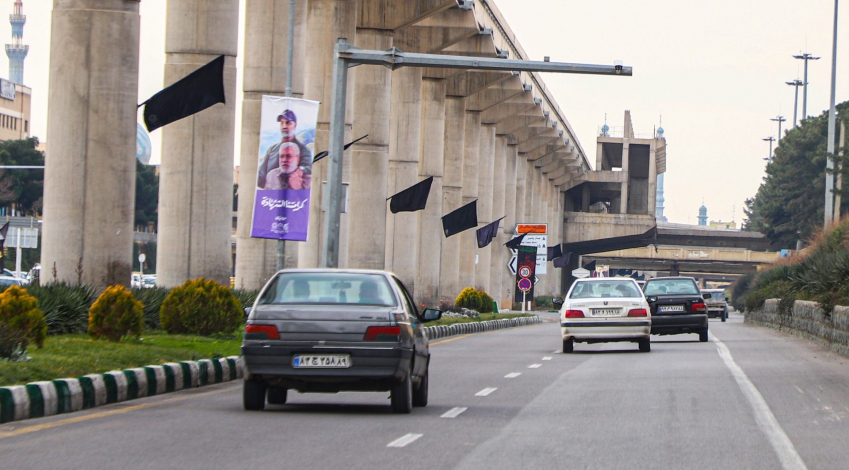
<point x="723" y="225"/>
<point x="703" y="215"/>
<point x="15" y="103"/>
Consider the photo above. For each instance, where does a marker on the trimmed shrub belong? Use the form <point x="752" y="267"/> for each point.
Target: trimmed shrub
<point x="151" y="299"/>
<point x="21" y="322"/>
<point x="201" y="307"/>
<point x="116" y="313"/>
<point x="543" y="301"/>
<point x="487" y="304"/>
<point x="469" y="298"/>
<point x="65" y="306"/>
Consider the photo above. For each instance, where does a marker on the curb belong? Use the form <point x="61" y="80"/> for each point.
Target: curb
<point x="443" y="331"/>
<point x="48" y="398"/>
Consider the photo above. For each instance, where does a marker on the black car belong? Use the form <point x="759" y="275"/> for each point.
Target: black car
<point x="677" y="306"/>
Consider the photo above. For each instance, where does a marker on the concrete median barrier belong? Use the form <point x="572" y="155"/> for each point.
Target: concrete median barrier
<point x="444" y="331"/>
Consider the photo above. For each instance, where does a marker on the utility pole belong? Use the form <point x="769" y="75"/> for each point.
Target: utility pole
<point x="778" y="119"/>
<point x="769" y="139"/>
<point x="829" y="176"/>
<point x="290" y="52"/>
<point x="806" y="57"/>
<point x="795" y="84"/>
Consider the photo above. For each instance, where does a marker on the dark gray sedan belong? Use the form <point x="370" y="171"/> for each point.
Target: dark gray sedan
<point x="333" y="330"/>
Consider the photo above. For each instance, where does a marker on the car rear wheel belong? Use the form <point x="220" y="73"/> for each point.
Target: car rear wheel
<point x="277" y="396"/>
<point x="253" y="395"/>
<point x="402" y="396"/>
<point x="703" y="335"/>
<point x="420" y="394"/>
<point x="724" y="315"/>
<point x="645" y="345"/>
<point x="568" y="345"/>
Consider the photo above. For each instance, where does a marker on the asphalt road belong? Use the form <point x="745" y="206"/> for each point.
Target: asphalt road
<point x="750" y="398"/>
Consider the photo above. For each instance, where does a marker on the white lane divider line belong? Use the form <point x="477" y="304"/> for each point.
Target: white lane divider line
<point x="556" y="351"/>
<point x="512" y="375"/>
<point x="404" y="440"/>
<point x="786" y="452"/>
<point x="453" y="412"/>
<point x="546" y="358"/>
<point x="799" y="389"/>
<point x="486" y="391"/>
<point x="534" y="366"/>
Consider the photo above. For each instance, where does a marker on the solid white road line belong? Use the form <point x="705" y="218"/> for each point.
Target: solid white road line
<point x="534" y="366"/>
<point x="787" y="454"/>
<point x="404" y="440"/>
<point x="512" y="375"/>
<point x="453" y="412"/>
<point x="546" y="358"/>
<point x="486" y="391"/>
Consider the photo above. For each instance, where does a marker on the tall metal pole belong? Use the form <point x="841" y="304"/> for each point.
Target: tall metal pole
<point x="829" y="176"/>
<point x="780" y="119"/>
<point x="290" y="52"/>
<point x="795" y="84"/>
<point x="769" y="139"/>
<point x="806" y="57"/>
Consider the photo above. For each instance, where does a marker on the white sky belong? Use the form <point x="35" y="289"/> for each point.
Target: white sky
<point x="714" y="70"/>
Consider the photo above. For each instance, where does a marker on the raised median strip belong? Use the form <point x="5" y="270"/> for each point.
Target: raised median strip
<point x="443" y="331"/>
<point x="47" y="398"/>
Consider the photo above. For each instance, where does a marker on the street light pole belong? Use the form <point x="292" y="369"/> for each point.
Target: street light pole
<point x="806" y="57"/>
<point x="290" y="53"/>
<point x="829" y="176"/>
<point x="779" y="119"/>
<point x="769" y="139"/>
<point x="795" y="84"/>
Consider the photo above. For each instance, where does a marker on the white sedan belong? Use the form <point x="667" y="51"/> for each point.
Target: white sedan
<point x="600" y="310"/>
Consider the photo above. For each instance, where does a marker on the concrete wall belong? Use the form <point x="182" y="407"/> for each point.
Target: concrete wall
<point x="808" y="321"/>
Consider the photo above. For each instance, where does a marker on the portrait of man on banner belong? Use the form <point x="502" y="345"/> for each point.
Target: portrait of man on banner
<point x="284" y="169"/>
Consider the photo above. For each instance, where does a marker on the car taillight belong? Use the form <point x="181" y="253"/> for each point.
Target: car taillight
<point x="382" y="333"/>
<point x="638" y="312"/>
<point x="269" y="331"/>
<point x="699" y="307"/>
<point x="574" y="314"/>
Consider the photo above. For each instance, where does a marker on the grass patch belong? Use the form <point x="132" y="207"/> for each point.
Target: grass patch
<point x="483" y="317"/>
<point x="77" y="355"/>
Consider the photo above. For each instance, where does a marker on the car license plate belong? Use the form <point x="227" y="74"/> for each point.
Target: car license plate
<point x="606" y="312"/>
<point x="321" y="361"/>
<point x="671" y="308"/>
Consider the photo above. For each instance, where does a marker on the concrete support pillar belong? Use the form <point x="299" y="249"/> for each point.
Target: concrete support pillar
<point x="531" y="182"/>
<point x="264" y="74"/>
<point x="511" y="161"/>
<point x="485" y="186"/>
<point x="585" y="197"/>
<point x="405" y="127"/>
<point x="623" y="202"/>
<point x="652" y="203"/>
<point x="196" y="175"/>
<point x="471" y="160"/>
<point x="90" y="172"/>
<point x="521" y="189"/>
<point x="452" y="194"/>
<point x="431" y="162"/>
<point x="370" y="157"/>
<point x="498" y="253"/>
<point x="327" y="20"/>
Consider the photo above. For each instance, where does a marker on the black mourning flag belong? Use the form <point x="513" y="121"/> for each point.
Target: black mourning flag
<point x="411" y="199"/>
<point x="325" y="153"/>
<point x="192" y="94"/>
<point x="555" y="251"/>
<point x="590" y="267"/>
<point x="487" y="233"/>
<point x="563" y="261"/>
<point x="515" y="243"/>
<point x="461" y="219"/>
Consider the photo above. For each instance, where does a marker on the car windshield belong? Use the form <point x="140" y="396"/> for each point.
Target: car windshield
<point x="329" y="288"/>
<point x="604" y="289"/>
<point x="671" y="286"/>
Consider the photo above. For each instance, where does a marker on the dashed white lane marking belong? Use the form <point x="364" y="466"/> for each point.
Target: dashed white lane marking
<point x="546" y="358"/>
<point x="799" y="389"/>
<point x="453" y="412"/>
<point x="534" y="366"/>
<point x="404" y="440"/>
<point x="486" y="391"/>
<point x="512" y="375"/>
<point x="556" y="351"/>
<point x="787" y="454"/>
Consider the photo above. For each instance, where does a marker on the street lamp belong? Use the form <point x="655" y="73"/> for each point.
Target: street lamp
<point x="769" y="139"/>
<point x="806" y="57"/>
<point x="795" y="83"/>
<point x="778" y="119"/>
<point x="829" y="177"/>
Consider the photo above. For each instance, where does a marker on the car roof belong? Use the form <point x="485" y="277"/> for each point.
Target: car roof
<point x="604" y="279"/>
<point x="713" y="290"/>
<point x="671" y="277"/>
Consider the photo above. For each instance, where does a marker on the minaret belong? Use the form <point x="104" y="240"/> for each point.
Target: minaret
<point x="659" y="200"/>
<point x="16" y="51"/>
<point x="703" y="215"/>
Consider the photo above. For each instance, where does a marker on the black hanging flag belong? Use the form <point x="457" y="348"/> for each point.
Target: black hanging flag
<point x="515" y="243"/>
<point x="555" y="251"/>
<point x="411" y="199"/>
<point x="192" y="94"/>
<point x="563" y="261"/>
<point x="590" y="267"/>
<point x="3" y="231"/>
<point x="461" y="219"/>
<point x="487" y="233"/>
<point x="325" y="153"/>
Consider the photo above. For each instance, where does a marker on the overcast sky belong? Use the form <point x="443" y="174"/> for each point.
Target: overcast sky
<point x="715" y="71"/>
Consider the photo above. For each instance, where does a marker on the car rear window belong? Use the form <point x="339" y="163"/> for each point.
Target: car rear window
<point x="671" y="286"/>
<point x="604" y="289"/>
<point x="329" y="288"/>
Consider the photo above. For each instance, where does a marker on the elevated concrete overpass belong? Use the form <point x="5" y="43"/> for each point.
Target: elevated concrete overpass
<point x="676" y="259"/>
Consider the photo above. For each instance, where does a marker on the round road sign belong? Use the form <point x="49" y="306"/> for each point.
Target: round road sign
<point x="525" y="272"/>
<point x="525" y="284"/>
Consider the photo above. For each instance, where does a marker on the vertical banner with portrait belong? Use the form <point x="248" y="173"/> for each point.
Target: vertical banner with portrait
<point x="284" y="172"/>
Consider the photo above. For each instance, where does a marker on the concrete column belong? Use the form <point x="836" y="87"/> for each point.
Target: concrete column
<point x="90" y="170"/>
<point x="510" y="193"/>
<point x="196" y="175"/>
<point x="431" y="162"/>
<point x="521" y="189"/>
<point x="264" y="74"/>
<point x="626" y="149"/>
<point x="405" y="127"/>
<point x="485" y="173"/>
<point x="652" y="203"/>
<point x="498" y="253"/>
<point x="327" y="20"/>
<point x="471" y="159"/>
<point x="585" y="197"/>
<point x="452" y="194"/>
<point x="530" y="191"/>
<point x="367" y="192"/>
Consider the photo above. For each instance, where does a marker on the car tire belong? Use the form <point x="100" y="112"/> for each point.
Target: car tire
<point x="568" y="345"/>
<point x="253" y="395"/>
<point x="724" y="315"/>
<point x="420" y="394"/>
<point x="645" y="345"/>
<point x="703" y="335"/>
<point x="402" y="396"/>
<point x="277" y="395"/>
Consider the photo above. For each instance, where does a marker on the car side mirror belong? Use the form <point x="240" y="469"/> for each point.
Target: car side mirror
<point x="705" y="296"/>
<point x="247" y="312"/>
<point x="431" y="314"/>
<point x="651" y="299"/>
<point x="557" y="302"/>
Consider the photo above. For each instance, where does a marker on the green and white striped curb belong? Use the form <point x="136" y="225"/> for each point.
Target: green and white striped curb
<point x="38" y="399"/>
<point x="442" y="331"/>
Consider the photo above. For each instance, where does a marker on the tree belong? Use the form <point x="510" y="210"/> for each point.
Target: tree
<point x="24" y="188"/>
<point x="147" y="194"/>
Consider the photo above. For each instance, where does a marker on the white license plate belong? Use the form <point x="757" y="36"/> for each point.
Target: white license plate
<point x="671" y="308"/>
<point x="321" y="361"/>
<point x="606" y="312"/>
